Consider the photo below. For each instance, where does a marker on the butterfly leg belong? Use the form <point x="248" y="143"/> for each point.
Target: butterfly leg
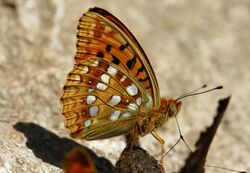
<point x="158" y="138"/>
<point x="132" y="138"/>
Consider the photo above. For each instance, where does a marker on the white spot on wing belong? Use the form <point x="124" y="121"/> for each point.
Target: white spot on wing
<point x="83" y="113"/>
<point x="138" y="101"/>
<point x="87" y="123"/>
<point x="85" y="69"/>
<point x="126" y="115"/>
<point x="132" y="106"/>
<point x="132" y="90"/>
<point x="95" y="63"/>
<point x="77" y="77"/>
<point x="101" y="86"/>
<point x="91" y="99"/>
<point x="115" y="115"/>
<point x="111" y="70"/>
<point x="123" y="78"/>
<point x="90" y="90"/>
<point x="114" y="100"/>
<point x="93" y="111"/>
<point x="105" y="78"/>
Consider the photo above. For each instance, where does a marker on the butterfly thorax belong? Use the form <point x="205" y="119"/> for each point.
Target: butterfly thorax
<point x="169" y="108"/>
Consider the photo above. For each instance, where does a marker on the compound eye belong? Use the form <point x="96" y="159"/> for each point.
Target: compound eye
<point x="172" y="109"/>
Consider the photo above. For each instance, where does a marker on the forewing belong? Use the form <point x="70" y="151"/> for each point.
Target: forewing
<point x="99" y="32"/>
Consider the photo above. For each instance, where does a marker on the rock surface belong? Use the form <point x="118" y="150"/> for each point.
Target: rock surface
<point x="189" y="43"/>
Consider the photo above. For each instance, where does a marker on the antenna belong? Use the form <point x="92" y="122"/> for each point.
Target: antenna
<point x="194" y="92"/>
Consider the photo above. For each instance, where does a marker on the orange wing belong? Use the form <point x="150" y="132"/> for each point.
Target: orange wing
<point x="101" y="34"/>
<point x="112" y="84"/>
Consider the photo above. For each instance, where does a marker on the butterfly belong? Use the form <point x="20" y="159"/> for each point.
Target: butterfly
<point x="112" y="89"/>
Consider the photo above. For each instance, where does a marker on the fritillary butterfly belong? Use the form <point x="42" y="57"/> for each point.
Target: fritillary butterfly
<point x="112" y="89"/>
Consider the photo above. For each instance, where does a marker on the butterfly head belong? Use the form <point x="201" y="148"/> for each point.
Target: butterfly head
<point x="170" y="107"/>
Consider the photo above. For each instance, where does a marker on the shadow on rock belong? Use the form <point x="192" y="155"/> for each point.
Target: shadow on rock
<point x="51" y="148"/>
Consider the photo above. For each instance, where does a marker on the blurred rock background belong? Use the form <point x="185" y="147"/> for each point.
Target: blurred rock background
<point x="189" y="43"/>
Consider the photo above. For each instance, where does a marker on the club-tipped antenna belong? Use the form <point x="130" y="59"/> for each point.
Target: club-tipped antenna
<point x="194" y="92"/>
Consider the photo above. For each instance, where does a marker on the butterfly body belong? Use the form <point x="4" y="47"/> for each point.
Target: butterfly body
<point x="156" y="118"/>
<point x="112" y="89"/>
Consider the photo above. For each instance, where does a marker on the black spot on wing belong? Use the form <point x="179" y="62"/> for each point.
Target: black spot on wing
<point x="115" y="60"/>
<point x="100" y="54"/>
<point x="123" y="46"/>
<point x="131" y="63"/>
<point x="143" y="80"/>
<point x="108" y="48"/>
<point x="140" y="70"/>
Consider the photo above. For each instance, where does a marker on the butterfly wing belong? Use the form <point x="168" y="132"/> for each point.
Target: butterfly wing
<point x="112" y="83"/>
<point x="99" y="27"/>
